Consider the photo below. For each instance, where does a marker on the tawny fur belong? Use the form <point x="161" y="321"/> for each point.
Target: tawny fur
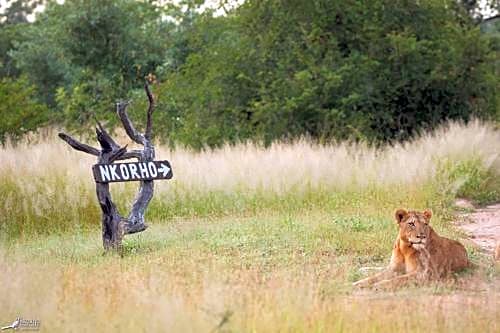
<point x="419" y="253"/>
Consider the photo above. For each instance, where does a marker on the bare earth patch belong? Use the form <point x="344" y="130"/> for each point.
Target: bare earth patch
<point x="482" y="225"/>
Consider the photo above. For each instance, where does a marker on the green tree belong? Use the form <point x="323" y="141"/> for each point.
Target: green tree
<point x="13" y="19"/>
<point x="369" y="70"/>
<point x="84" y="55"/>
<point x="19" y="110"/>
<point x="17" y="11"/>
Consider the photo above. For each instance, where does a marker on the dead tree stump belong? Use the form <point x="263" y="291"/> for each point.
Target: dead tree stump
<point x="115" y="226"/>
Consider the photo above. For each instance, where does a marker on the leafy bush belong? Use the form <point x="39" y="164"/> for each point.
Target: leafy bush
<point x="19" y="110"/>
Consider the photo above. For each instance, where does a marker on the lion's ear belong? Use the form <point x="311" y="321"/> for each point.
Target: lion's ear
<point x="427" y="214"/>
<point x="400" y="215"/>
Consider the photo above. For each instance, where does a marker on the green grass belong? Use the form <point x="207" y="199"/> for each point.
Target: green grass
<point x="276" y="239"/>
<point x="38" y="213"/>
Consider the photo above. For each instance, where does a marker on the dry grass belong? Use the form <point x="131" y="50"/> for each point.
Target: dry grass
<point x="244" y="238"/>
<point x="191" y="287"/>
<point x="280" y="167"/>
<point x="284" y="167"/>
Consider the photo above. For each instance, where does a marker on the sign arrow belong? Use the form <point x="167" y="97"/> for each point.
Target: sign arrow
<point x="164" y="169"/>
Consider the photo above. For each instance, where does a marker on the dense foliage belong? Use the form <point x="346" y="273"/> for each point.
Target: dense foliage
<point x="19" y="110"/>
<point x="267" y="70"/>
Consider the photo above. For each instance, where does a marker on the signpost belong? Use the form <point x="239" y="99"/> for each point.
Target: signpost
<point x="124" y="172"/>
<point x="115" y="225"/>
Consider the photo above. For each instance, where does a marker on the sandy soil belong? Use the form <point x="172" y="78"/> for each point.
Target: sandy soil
<point x="482" y="224"/>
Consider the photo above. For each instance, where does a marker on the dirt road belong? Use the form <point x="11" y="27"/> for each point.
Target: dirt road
<point x="482" y="225"/>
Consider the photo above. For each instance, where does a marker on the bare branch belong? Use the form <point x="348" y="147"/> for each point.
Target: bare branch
<point x="121" y="109"/>
<point x="106" y="145"/>
<point x="149" y="124"/>
<point x="117" y="154"/>
<point x="105" y="135"/>
<point x="78" y="145"/>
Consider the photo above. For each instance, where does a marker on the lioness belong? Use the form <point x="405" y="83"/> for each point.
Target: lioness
<point x="419" y="252"/>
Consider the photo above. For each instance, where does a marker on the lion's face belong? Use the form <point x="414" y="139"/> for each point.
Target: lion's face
<point x="414" y="227"/>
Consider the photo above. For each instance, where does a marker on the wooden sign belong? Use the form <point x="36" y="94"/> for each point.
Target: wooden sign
<point x="125" y="172"/>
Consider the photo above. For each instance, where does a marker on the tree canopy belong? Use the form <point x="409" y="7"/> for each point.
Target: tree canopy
<point x="377" y="70"/>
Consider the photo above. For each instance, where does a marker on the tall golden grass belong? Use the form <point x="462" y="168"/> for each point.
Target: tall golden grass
<point x="278" y="168"/>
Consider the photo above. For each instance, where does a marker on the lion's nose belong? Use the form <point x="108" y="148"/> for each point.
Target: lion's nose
<point x="421" y="236"/>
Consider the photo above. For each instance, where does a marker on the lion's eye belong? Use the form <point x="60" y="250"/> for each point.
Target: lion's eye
<point x="412" y="224"/>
